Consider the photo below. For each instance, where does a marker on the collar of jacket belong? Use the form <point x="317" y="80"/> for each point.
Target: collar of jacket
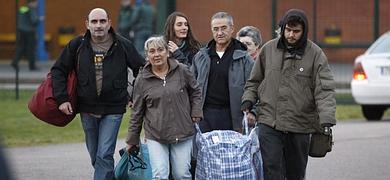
<point x="87" y="35"/>
<point x="240" y="50"/>
<point x="147" y="70"/>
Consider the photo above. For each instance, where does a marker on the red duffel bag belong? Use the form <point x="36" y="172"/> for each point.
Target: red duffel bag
<point x="44" y="106"/>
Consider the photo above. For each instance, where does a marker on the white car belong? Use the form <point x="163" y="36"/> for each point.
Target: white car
<point x="370" y="84"/>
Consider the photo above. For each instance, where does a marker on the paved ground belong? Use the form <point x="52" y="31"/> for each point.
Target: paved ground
<point x="59" y="162"/>
<point x="28" y="79"/>
<point x="360" y="152"/>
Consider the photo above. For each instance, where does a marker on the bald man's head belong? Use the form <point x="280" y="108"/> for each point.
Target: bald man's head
<point x="97" y="10"/>
<point x="98" y="24"/>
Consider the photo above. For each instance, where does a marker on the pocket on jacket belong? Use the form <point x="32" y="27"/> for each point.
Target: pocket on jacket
<point x="327" y="84"/>
<point x="83" y="81"/>
<point x="120" y="84"/>
<point x="304" y="80"/>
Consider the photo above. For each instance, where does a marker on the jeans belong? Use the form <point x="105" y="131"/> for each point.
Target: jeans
<point x="178" y="155"/>
<point x="284" y="154"/>
<point x="100" y="136"/>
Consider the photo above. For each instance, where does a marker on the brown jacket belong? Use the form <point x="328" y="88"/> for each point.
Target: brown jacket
<point x="295" y="95"/>
<point x="165" y="107"/>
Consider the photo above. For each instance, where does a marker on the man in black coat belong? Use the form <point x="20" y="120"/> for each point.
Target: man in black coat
<point x="101" y="59"/>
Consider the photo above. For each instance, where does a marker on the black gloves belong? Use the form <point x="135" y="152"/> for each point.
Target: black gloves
<point x="327" y="128"/>
<point x="246" y="106"/>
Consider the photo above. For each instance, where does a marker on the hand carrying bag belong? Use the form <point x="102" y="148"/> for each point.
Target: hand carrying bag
<point x="44" y="106"/>
<point x="320" y="144"/>
<point x="226" y="154"/>
<point x="134" y="166"/>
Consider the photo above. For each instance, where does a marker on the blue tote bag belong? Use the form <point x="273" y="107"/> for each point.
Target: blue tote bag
<point x="134" y="166"/>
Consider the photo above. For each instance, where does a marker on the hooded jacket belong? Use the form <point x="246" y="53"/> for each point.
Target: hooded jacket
<point x="295" y="94"/>
<point x="299" y="47"/>
<point x="165" y="107"/>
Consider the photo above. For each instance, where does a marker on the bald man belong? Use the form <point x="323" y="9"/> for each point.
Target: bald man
<point x="100" y="58"/>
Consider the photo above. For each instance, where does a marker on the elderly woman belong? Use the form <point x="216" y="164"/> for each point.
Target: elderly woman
<point x="251" y="37"/>
<point x="166" y="101"/>
<point x="181" y="42"/>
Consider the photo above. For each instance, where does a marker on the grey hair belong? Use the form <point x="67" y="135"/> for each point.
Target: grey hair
<point x="252" y="32"/>
<point x="158" y="41"/>
<point x="223" y="15"/>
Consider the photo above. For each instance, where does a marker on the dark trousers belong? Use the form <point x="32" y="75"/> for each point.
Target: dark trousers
<point x="284" y="154"/>
<point x="25" y="46"/>
<point x="216" y="119"/>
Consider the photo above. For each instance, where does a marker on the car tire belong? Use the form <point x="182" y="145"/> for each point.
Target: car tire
<point x="372" y="112"/>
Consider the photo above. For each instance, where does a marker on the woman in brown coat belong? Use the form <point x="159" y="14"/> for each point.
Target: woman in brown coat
<point x="166" y="101"/>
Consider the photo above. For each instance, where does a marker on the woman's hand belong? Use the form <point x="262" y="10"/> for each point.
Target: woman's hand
<point x="132" y="148"/>
<point x="172" y="47"/>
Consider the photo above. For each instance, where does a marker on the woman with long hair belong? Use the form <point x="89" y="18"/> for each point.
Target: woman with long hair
<point x="181" y="42"/>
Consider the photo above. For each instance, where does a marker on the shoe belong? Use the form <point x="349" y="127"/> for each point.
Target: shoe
<point x="15" y="65"/>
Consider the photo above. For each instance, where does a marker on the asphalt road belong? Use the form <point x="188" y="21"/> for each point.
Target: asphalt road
<point x="361" y="152"/>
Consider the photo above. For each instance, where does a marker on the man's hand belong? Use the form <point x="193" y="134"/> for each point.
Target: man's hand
<point x="66" y="108"/>
<point x="327" y="129"/>
<point x="246" y="106"/>
<point x="251" y="119"/>
<point x="196" y="119"/>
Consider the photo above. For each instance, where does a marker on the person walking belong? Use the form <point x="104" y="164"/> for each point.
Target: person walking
<point x="26" y="38"/>
<point x="181" y="42"/>
<point x="222" y="68"/>
<point x="167" y="101"/>
<point x="124" y="20"/>
<point x="101" y="59"/>
<point x="251" y="37"/>
<point x="142" y="23"/>
<point x="295" y="88"/>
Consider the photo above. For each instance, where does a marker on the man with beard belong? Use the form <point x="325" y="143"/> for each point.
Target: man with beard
<point x="295" y="88"/>
<point x="100" y="58"/>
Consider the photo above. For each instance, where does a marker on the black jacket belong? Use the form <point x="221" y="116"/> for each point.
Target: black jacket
<point x="184" y="54"/>
<point x="78" y="54"/>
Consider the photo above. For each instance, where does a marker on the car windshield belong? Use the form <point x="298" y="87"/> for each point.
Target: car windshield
<point x="382" y="46"/>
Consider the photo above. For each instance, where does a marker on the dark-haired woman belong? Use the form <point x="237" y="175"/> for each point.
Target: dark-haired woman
<point x="181" y="42"/>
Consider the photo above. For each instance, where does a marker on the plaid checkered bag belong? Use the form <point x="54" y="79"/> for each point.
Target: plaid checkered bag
<point x="225" y="154"/>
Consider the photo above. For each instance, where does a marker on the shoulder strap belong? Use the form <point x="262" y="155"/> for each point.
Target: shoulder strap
<point x="77" y="53"/>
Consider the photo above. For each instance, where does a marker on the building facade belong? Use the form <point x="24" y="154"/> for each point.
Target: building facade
<point x="357" y="21"/>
